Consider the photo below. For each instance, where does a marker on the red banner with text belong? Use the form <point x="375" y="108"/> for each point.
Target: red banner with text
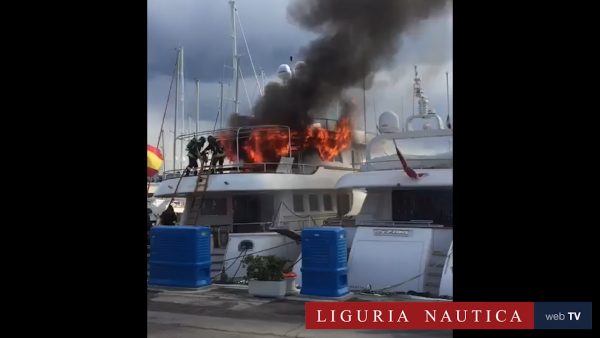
<point x="419" y="315"/>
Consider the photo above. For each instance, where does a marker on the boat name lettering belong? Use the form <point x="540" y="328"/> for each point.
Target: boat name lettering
<point x="391" y="232"/>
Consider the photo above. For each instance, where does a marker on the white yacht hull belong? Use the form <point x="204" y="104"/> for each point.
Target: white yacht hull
<point x="446" y="284"/>
<point x="398" y="259"/>
<point x="272" y="242"/>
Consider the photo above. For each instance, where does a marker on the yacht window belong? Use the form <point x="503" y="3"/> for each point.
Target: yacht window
<point x="423" y="205"/>
<point x="343" y="202"/>
<point x="214" y="206"/>
<point x="327" y="204"/>
<point x="299" y="203"/>
<point x="245" y="245"/>
<point x="430" y="147"/>
<point x="313" y="202"/>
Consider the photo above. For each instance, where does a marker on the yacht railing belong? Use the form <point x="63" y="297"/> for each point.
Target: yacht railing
<point x="264" y="167"/>
<point x="266" y="226"/>
<point x="233" y="139"/>
<point x="390" y="223"/>
<point x="298" y="224"/>
<point x="415" y="163"/>
<point x="293" y="224"/>
<point x="352" y="222"/>
<point x="240" y="133"/>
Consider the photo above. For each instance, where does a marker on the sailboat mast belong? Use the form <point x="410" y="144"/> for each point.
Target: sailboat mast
<point x="221" y="107"/>
<point x="235" y="57"/>
<point x="197" y="104"/>
<point x="181" y="101"/>
<point x="176" y="110"/>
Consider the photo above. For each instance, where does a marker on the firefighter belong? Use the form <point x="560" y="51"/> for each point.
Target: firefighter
<point x="218" y="154"/>
<point x="192" y="149"/>
<point x="202" y="153"/>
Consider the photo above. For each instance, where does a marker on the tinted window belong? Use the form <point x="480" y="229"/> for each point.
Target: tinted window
<point x="298" y="203"/>
<point x="214" y="206"/>
<point x="327" y="204"/>
<point x="343" y="204"/>
<point x="423" y="205"/>
<point x="313" y="202"/>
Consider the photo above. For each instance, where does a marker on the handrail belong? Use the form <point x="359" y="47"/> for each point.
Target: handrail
<point x="226" y="131"/>
<point x="392" y="223"/>
<point x="299" y="218"/>
<point x="413" y="162"/>
<point x="303" y="168"/>
<point x="271" y="224"/>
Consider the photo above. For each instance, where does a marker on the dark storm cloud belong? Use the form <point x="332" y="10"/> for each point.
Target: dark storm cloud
<point x="203" y="29"/>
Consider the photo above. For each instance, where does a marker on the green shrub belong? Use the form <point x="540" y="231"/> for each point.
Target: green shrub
<point x="264" y="268"/>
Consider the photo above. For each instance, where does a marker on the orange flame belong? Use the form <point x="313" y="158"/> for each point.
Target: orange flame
<point x="266" y="145"/>
<point x="228" y="144"/>
<point x="270" y="144"/>
<point x="329" y="144"/>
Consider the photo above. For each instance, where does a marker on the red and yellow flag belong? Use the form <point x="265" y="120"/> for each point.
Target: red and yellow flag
<point x="155" y="160"/>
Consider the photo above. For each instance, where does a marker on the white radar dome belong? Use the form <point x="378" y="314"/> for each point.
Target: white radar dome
<point x="389" y="122"/>
<point x="284" y="72"/>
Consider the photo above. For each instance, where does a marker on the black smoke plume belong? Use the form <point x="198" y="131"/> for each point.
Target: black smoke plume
<point x="356" y="38"/>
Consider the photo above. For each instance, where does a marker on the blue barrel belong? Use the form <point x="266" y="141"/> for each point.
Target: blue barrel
<point x="180" y="256"/>
<point x="324" y="267"/>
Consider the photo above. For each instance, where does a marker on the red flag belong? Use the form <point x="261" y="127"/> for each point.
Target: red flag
<point x="408" y="170"/>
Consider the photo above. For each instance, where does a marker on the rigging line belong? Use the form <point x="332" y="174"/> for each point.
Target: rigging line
<point x="255" y="252"/>
<point x="245" y="89"/>
<point x="230" y="265"/>
<point x="299" y="216"/>
<point x="216" y="119"/>
<point x="249" y="55"/>
<point x="240" y="265"/>
<point x="166" y="105"/>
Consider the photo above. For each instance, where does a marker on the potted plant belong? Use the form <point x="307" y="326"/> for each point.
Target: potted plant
<point x="265" y="276"/>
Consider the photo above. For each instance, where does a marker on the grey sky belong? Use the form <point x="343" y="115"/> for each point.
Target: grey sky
<point x="202" y="27"/>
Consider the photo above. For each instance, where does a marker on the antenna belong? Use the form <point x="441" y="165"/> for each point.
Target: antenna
<point x="402" y="112"/>
<point x="425" y="112"/>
